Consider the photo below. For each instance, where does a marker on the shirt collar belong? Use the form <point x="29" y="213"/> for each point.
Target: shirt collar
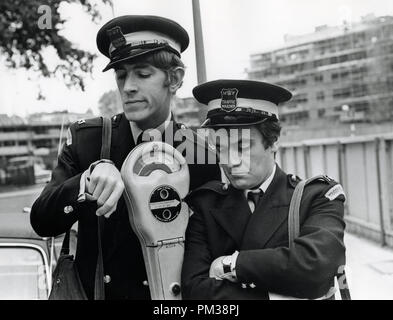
<point x="264" y="185"/>
<point x="136" y="131"/>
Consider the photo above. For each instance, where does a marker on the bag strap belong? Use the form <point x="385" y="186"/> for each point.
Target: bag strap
<point x="294" y="230"/>
<point x="293" y="214"/>
<point x="65" y="247"/>
<point x="106" y="138"/>
<point x="99" y="288"/>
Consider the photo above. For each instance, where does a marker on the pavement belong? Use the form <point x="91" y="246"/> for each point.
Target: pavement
<point x="369" y="269"/>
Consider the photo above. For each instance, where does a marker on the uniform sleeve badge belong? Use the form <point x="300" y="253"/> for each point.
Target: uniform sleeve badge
<point x="69" y="137"/>
<point x="334" y="192"/>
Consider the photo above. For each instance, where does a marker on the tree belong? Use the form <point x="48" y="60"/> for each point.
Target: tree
<point x="28" y="27"/>
<point x="110" y="103"/>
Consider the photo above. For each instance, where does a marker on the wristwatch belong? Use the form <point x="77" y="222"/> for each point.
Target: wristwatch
<point x="227" y="264"/>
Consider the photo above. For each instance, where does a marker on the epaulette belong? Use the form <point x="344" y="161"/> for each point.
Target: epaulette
<point x="321" y="178"/>
<point x="116" y="119"/>
<point x="88" y="123"/>
<point x="334" y="189"/>
<point x="214" y="185"/>
<point x="293" y="180"/>
<point x="96" y="122"/>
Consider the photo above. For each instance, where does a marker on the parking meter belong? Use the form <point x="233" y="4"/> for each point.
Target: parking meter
<point x="156" y="180"/>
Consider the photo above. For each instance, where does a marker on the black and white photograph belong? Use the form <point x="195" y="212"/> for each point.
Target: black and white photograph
<point x="194" y="150"/>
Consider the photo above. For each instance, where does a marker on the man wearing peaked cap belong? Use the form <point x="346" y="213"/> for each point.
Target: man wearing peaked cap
<point x="240" y="102"/>
<point x="237" y="244"/>
<point x="144" y="52"/>
<point x="127" y="37"/>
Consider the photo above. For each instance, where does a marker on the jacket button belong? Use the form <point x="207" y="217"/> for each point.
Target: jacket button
<point x="68" y="209"/>
<point x="145" y="283"/>
<point x="244" y="286"/>
<point x="252" y="285"/>
<point x="107" y="278"/>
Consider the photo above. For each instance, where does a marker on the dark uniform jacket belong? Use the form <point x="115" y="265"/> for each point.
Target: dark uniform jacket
<point x="223" y="223"/>
<point x="123" y="260"/>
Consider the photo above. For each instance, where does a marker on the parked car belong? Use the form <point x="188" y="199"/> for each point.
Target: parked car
<point x="27" y="170"/>
<point x="26" y="259"/>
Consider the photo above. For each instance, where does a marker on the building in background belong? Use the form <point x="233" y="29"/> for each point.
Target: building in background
<point x="46" y="127"/>
<point x="188" y="111"/>
<point x="15" y="138"/>
<point x="15" y="141"/>
<point x="32" y="143"/>
<point x="338" y="75"/>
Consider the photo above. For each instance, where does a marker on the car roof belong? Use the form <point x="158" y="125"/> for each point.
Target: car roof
<point x="17" y="225"/>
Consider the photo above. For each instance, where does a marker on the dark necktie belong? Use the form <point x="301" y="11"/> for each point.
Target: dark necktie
<point x="254" y="196"/>
<point x="139" y="139"/>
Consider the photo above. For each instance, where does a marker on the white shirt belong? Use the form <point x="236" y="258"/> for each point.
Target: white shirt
<point x="136" y="131"/>
<point x="264" y="185"/>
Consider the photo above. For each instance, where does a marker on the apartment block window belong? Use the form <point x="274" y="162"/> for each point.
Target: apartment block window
<point x="303" y="115"/>
<point x="344" y="75"/>
<point x="359" y="73"/>
<point x="360" y="90"/>
<point x="321" y="113"/>
<point x="343" y="58"/>
<point x="338" y="108"/>
<point x="293" y="84"/>
<point x="362" y="106"/>
<point x="389" y="83"/>
<point x="318" y="78"/>
<point x="300" y="98"/>
<point x="341" y="93"/>
<point x="340" y="75"/>
<point x="320" y="96"/>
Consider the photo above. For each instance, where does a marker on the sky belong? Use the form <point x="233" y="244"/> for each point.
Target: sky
<point x="232" y="30"/>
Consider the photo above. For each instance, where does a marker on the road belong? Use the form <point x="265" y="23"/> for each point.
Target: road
<point x="369" y="269"/>
<point x="15" y="201"/>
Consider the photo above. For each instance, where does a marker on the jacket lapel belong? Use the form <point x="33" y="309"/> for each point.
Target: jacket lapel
<point x="233" y="214"/>
<point x="169" y="133"/>
<point x="270" y="213"/>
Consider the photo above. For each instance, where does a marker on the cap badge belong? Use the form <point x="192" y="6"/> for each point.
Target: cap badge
<point x="229" y="99"/>
<point x="116" y="36"/>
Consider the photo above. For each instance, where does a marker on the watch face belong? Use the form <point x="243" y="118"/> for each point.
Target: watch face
<point x="226" y="264"/>
<point x="227" y="260"/>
